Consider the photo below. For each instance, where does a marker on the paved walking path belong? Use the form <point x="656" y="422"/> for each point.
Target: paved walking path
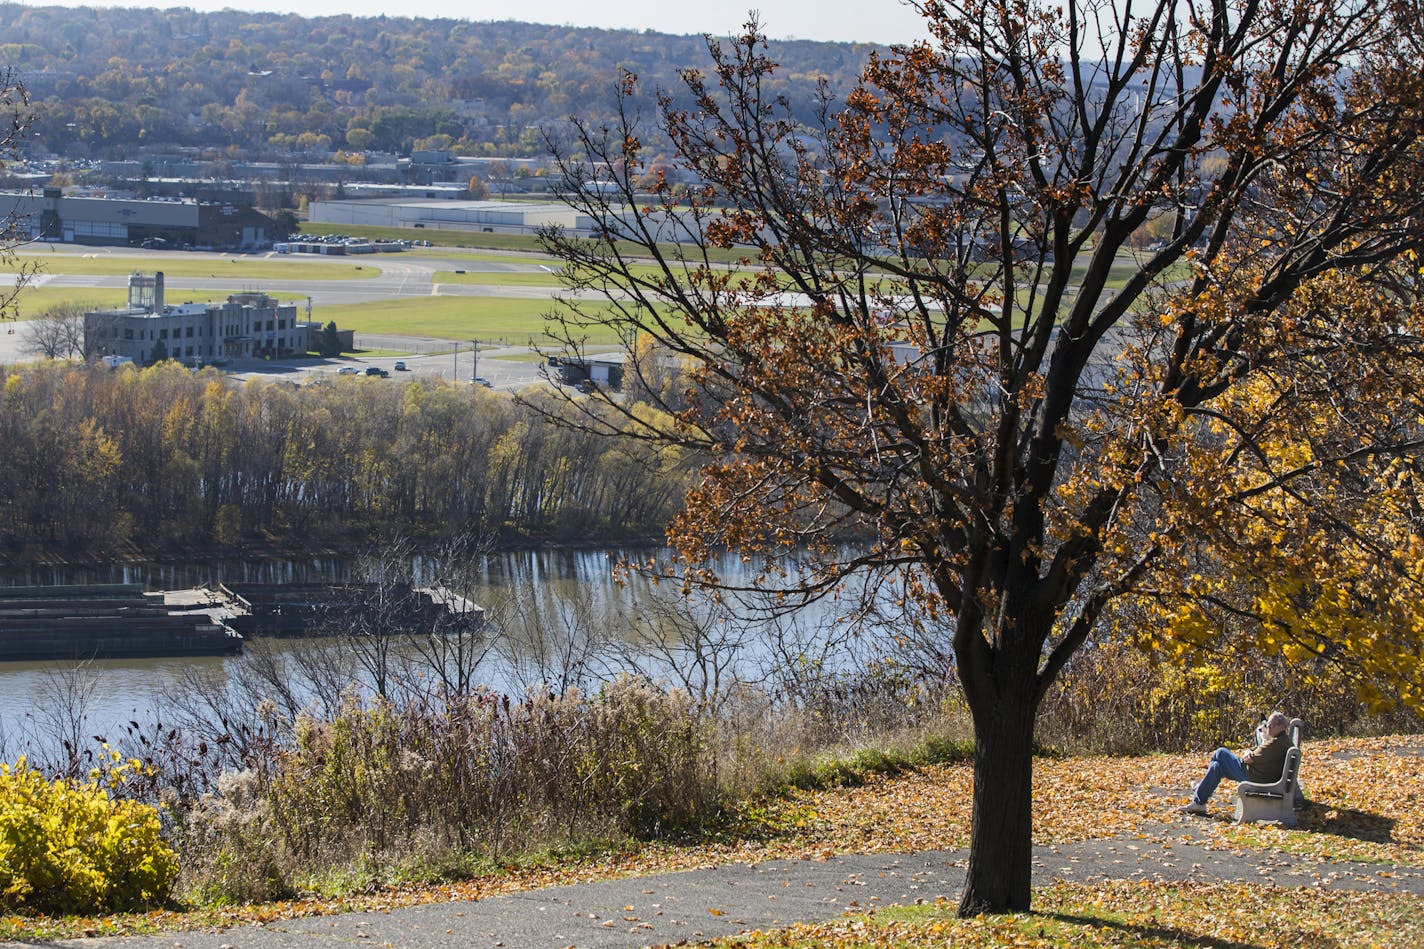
<point x="721" y="901"/>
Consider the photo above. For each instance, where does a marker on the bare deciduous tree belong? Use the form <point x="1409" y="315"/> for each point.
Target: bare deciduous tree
<point x="939" y="337"/>
<point x="15" y="120"/>
<point x="58" y="332"/>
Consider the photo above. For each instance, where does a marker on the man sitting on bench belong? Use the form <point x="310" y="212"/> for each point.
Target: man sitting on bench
<point x="1263" y="763"/>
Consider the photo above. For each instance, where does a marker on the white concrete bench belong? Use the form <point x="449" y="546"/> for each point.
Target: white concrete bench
<point x="1278" y="801"/>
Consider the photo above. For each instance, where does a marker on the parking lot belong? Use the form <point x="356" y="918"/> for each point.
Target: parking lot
<point x="504" y="368"/>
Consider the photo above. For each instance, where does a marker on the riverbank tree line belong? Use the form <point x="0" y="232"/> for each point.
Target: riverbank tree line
<point x="161" y="459"/>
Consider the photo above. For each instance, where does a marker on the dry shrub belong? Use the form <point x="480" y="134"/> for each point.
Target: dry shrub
<point x="227" y="853"/>
<point x="483" y="775"/>
<point x="1116" y="698"/>
<point x="880" y="718"/>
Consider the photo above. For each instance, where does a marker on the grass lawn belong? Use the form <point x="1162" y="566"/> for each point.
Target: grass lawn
<point x="456" y="318"/>
<point x="526" y="259"/>
<point x="183" y="265"/>
<point x="35" y="300"/>
<point x="500" y="278"/>
<point x="451" y="238"/>
<point x="1139" y="914"/>
<point x="534" y="277"/>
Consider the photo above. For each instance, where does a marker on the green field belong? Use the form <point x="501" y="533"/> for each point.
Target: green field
<point x="528" y="259"/>
<point x="524" y="242"/>
<point x="32" y="301"/>
<point x="455" y="318"/>
<point x="182" y="265"/>
<point x="35" y="300"/>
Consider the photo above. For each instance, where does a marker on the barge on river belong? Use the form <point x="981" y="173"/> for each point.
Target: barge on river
<point x="121" y="621"/>
<point x="334" y="609"/>
<point x="104" y="621"/>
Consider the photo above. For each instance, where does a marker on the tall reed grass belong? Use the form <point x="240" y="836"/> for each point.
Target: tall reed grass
<point x="433" y="783"/>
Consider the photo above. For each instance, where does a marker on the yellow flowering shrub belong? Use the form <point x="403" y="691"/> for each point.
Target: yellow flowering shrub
<point x="71" y="847"/>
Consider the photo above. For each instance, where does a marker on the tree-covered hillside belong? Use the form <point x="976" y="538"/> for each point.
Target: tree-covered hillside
<point x="105" y="80"/>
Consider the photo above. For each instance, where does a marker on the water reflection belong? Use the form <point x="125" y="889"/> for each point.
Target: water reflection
<point x="556" y="619"/>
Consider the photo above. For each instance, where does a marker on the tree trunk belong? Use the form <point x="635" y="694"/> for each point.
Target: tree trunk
<point x="1001" y="841"/>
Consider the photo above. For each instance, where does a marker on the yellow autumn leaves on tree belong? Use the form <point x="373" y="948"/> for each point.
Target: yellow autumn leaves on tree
<point x="1277" y="538"/>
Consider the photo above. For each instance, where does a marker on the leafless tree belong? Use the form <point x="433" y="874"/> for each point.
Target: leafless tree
<point x="697" y="643"/>
<point x="58" y="724"/>
<point x="553" y="640"/>
<point x="58" y="332"/>
<point x="15" y="120"/>
<point x="455" y="643"/>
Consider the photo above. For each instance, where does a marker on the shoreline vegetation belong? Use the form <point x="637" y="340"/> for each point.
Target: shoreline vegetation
<point x="603" y="762"/>
<point x="101" y="465"/>
<point x="1353" y="819"/>
<point x="429" y="785"/>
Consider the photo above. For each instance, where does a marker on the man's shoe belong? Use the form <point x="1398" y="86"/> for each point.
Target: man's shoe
<point x="1192" y="808"/>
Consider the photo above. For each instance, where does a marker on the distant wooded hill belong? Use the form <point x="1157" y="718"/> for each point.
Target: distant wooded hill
<point x="103" y="81"/>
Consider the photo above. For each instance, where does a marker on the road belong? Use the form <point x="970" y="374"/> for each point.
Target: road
<point x="506" y="368"/>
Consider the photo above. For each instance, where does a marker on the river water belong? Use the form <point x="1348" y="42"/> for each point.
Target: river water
<point x="42" y="701"/>
<point x="557" y="619"/>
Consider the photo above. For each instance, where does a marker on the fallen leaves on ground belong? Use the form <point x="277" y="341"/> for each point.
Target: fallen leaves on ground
<point x="1366" y="804"/>
<point x="1138" y="914"/>
<point x="1366" y="797"/>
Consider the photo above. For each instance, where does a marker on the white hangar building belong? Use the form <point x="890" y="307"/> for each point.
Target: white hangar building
<point x="506" y="217"/>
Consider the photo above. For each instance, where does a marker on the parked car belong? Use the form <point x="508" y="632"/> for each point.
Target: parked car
<point x="348" y="371"/>
<point x="400" y="367"/>
<point x="376" y="371"/>
<point x="481" y="380"/>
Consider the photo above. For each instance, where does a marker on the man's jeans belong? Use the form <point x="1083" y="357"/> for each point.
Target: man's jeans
<point x="1224" y="764"/>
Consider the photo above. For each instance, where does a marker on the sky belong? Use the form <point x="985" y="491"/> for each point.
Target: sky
<point x="870" y="21"/>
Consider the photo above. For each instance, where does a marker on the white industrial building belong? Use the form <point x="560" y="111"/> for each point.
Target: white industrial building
<point x="507" y="217"/>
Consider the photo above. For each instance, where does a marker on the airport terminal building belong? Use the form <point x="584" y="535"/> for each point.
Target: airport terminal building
<point x="52" y="216"/>
<point x="246" y="326"/>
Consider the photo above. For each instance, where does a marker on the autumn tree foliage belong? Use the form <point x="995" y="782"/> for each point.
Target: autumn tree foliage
<point x="98" y="461"/>
<point x="938" y="337"/>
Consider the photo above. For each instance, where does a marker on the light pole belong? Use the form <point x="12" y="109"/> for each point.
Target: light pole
<point x="474" y="360"/>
